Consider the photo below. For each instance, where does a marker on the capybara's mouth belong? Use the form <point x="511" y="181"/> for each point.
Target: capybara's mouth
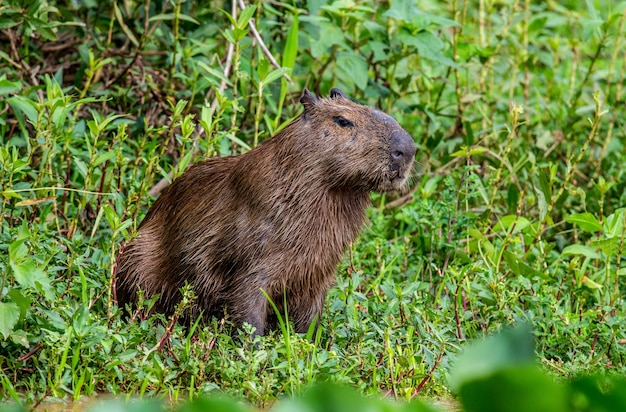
<point x="395" y="180"/>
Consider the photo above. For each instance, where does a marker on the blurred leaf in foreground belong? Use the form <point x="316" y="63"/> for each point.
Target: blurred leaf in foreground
<point x="511" y="347"/>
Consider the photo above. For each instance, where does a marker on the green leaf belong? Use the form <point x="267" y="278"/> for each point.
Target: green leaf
<point x="586" y="221"/>
<point x="9" y="315"/>
<point x="544" y="193"/>
<point x="25" y="106"/>
<point x="22" y="301"/>
<point x="514" y="389"/>
<point x="273" y="75"/>
<point x="20" y="337"/>
<point x="581" y="250"/>
<point x="614" y="223"/>
<point x="291" y="45"/>
<point x="428" y="46"/>
<point x="8" y="87"/>
<point x="27" y="274"/>
<point x="506" y="222"/>
<point x="609" y="247"/>
<point x="521" y="268"/>
<point x="172" y="16"/>
<point x="216" y="74"/>
<point x="469" y="151"/>
<point x="354" y="67"/>
<point x="8" y="23"/>
<point x="510" y="347"/>
<point x="245" y="16"/>
<point x="329" y="35"/>
<point x="402" y="10"/>
<point x="80" y="321"/>
<point x="111" y="216"/>
<point x="262" y="68"/>
<point x="18" y="250"/>
<point x="512" y="197"/>
<point x="103" y="157"/>
<point x="81" y="166"/>
<point x="590" y="283"/>
<point x="125" y="28"/>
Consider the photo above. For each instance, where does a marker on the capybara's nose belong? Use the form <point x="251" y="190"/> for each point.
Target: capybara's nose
<point x="402" y="146"/>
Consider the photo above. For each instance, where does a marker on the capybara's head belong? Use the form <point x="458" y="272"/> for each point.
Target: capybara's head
<point x="363" y="148"/>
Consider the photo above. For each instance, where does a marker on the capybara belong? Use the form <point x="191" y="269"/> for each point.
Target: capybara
<point x="277" y="218"/>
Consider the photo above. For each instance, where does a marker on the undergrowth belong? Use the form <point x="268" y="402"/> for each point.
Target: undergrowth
<point x="515" y="211"/>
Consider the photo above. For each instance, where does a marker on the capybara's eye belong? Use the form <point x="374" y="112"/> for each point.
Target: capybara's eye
<point x="342" y="121"/>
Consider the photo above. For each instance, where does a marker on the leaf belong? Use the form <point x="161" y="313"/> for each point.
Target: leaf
<point x="9" y="316"/>
<point x="111" y="216"/>
<point x="81" y="166"/>
<point x="262" y="68"/>
<point x="172" y="16"/>
<point x="329" y="35"/>
<point x="515" y="389"/>
<point x="245" y="16"/>
<point x="354" y="67"/>
<point x="586" y="221"/>
<point x="291" y="45"/>
<point x="125" y="28"/>
<point x="8" y="87"/>
<point x="521" y="268"/>
<point x="27" y="274"/>
<point x="103" y="157"/>
<point x="590" y="283"/>
<point x="22" y="301"/>
<point x="544" y="186"/>
<point x="581" y="250"/>
<point x="80" y="321"/>
<point x="506" y="222"/>
<point x="609" y="247"/>
<point x="512" y="197"/>
<point x="544" y="194"/>
<point x="31" y="202"/>
<point x="511" y="346"/>
<point x="8" y="23"/>
<point x="215" y="73"/>
<point x="402" y="10"/>
<point x="25" y="106"/>
<point x="428" y="46"/>
<point x="469" y="151"/>
<point x="430" y="186"/>
<point x="273" y="75"/>
<point x="614" y="223"/>
<point x="18" y="250"/>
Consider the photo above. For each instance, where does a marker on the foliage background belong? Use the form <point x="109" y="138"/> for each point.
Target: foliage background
<point x="515" y="212"/>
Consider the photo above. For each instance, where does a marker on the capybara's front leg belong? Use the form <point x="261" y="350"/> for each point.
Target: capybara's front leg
<point x="308" y="312"/>
<point x="249" y="307"/>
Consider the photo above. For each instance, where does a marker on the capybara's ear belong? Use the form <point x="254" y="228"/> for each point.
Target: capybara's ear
<point x="308" y="100"/>
<point x="335" y="93"/>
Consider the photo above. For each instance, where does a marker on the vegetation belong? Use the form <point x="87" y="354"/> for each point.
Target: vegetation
<point x="516" y="211"/>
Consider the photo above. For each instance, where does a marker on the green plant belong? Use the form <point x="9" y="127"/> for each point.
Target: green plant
<point x="515" y="211"/>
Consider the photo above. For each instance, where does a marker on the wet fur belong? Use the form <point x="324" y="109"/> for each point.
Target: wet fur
<point x="277" y="218"/>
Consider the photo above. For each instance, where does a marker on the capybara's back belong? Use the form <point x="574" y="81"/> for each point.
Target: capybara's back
<point x="277" y="218"/>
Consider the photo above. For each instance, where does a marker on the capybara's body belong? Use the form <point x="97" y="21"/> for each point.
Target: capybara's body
<point x="277" y="218"/>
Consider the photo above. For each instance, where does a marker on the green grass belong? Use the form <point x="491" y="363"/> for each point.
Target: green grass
<point x="516" y="211"/>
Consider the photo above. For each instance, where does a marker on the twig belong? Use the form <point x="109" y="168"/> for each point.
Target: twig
<point x="430" y="373"/>
<point x="266" y="51"/>
<point x="31" y="353"/>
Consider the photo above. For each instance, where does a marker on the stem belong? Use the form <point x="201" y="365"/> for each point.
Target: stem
<point x="570" y="172"/>
<point x="516" y="110"/>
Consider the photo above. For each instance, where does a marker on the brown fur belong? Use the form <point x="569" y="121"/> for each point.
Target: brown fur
<point x="277" y="218"/>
